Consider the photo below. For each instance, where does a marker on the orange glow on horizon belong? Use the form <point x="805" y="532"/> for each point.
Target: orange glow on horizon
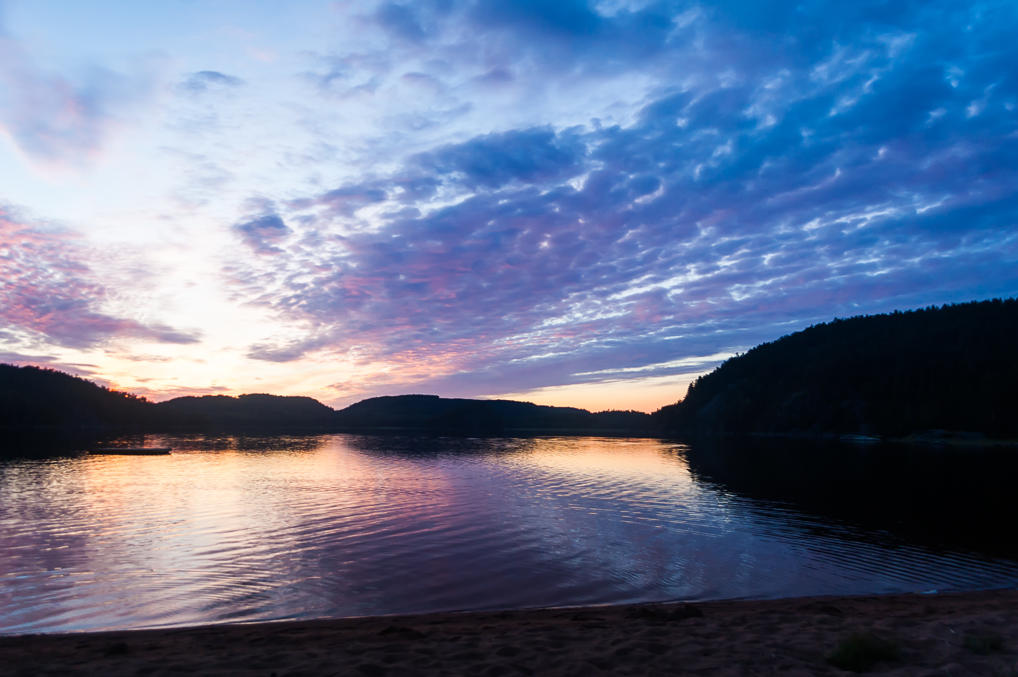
<point x="646" y="394"/>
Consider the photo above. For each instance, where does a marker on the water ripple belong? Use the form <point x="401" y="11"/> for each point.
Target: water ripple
<point x="230" y="529"/>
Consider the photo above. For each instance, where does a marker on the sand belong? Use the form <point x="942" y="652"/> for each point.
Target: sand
<point x="948" y="634"/>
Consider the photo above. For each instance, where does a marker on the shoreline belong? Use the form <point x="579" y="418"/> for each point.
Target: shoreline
<point x="968" y="633"/>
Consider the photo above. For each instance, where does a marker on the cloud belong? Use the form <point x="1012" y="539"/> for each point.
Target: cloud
<point x="10" y="357"/>
<point x="54" y="118"/>
<point x="203" y="81"/>
<point x="568" y="18"/>
<point x="400" y="20"/>
<point x="262" y="233"/>
<point x="51" y="294"/>
<point x="492" y="160"/>
<point x="528" y="195"/>
<point x="86" y="371"/>
<point x="348" y="199"/>
<point x="438" y="65"/>
<point x="284" y="351"/>
<point x="846" y="172"/>
<point x="564" y="36"/>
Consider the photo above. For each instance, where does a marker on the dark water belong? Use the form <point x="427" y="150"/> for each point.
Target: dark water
<point x="243" y="529"/>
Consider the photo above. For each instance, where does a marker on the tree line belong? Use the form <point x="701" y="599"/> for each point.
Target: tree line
<point x="951" y="368"/>
<point x="33" y="397"/>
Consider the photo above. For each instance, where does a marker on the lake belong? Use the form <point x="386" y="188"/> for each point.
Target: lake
<point x="230" y="529"/>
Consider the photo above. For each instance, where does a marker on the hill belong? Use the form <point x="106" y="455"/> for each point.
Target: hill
<point x="246" y="412"/>
<point x="948" y="368"/>
<point x="34" y="397"/>
<point x="430" y="412"/>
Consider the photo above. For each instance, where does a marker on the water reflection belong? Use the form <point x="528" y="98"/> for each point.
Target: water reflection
<point x="941" y="497"/>
<point x="249" y="528"/>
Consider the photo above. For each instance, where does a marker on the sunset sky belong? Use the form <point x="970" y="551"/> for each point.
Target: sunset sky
<point x="563" y="202"/>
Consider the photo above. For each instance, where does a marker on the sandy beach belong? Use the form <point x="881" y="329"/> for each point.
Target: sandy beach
<point x="929" y="634"/>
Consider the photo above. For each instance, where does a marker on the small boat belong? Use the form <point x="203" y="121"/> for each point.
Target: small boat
<point x="132" y="451"/>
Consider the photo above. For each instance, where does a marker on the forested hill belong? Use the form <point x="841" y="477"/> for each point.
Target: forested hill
<point x="33" y="398"/>
<point x="258" y="411"/>
<point x="430" y="412"/>
<point x="952" y="368"/>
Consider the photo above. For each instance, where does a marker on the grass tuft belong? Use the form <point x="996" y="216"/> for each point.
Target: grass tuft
<point x="860" y="651"/>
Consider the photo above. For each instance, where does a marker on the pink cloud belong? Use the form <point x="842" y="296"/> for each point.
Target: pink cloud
<point x="50" y="291"/>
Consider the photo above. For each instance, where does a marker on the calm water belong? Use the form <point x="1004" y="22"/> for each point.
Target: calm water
<point x="243" y="529"/>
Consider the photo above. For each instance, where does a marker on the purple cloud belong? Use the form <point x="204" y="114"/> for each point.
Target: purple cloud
<point x="346" y="200"/>
<point x="263" y="233"/>
<point x="50" y="292"/>
<point x="840" y="169"/>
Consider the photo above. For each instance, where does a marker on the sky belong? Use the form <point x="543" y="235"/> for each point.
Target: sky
<point x="571" y="203"/>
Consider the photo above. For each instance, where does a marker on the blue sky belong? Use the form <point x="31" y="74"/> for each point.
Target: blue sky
<point x="571" y="203"/>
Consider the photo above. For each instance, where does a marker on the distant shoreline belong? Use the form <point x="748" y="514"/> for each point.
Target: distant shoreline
<point x="968" y="632"/>
<point x="45" y="441"/>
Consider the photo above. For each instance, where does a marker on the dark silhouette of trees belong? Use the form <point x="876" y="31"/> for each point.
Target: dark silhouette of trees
<point x="244" y="412"/>
<point x="32" y="398"/>
<point x="951" y="368"/>
<point x="35" y="397"/>
<point x="429" y="412"/>
<point x="948" y="368"/>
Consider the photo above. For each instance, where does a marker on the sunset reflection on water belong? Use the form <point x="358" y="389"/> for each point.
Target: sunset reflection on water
<point x="256" y="528"/>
